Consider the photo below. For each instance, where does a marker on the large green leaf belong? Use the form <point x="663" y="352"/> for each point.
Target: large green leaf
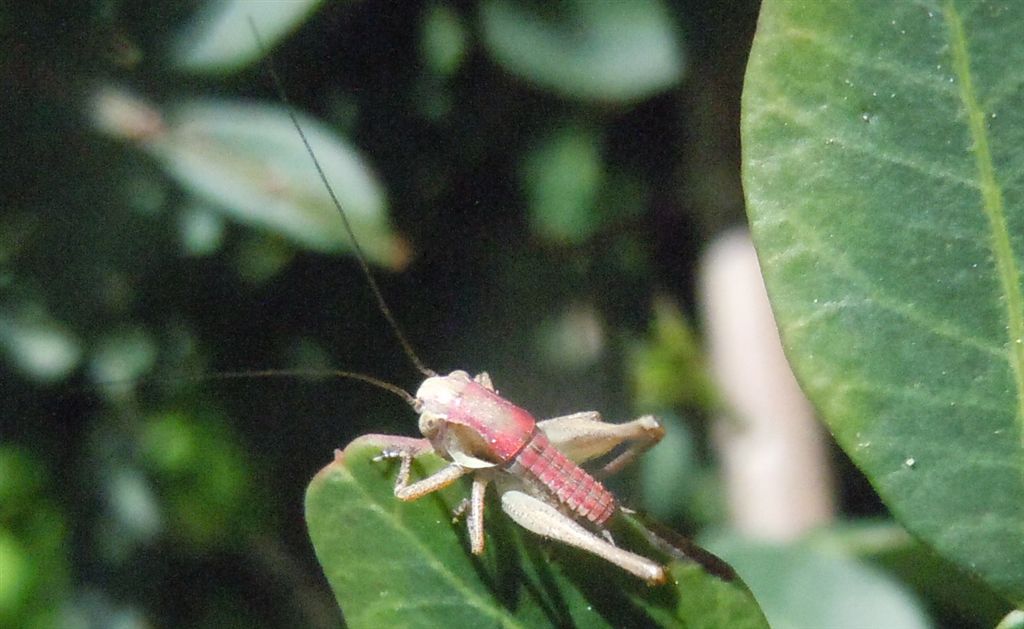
<point x="883" y="158"/>
<point x="406" y="564"/>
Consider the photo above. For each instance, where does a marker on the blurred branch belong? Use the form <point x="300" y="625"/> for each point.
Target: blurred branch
<point x="776" y="469"/>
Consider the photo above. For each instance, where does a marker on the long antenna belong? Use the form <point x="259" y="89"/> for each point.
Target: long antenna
<point x="334" y="373"/>
<point x="384" y="309"/>
<point x="275" y="373"/>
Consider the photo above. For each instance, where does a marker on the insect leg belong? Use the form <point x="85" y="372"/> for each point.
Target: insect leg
<point x="439" y="480"/>
<point x="475" y="520"/>
<point x="543" y="519"/>
<point x="583" y="436"/>
<point x="406" y="449"/>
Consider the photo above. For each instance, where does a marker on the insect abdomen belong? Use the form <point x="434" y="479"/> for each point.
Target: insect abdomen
<point x="580" y="492"/>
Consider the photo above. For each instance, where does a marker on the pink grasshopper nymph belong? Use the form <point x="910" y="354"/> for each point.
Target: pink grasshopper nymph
<point x="534" y="465"/>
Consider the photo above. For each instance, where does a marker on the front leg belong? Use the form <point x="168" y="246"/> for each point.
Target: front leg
<point x="406" y="449"/>
<point x="406" y="491"/>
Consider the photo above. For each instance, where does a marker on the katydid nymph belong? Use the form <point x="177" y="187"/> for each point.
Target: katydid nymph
<point x="535" y="466"/>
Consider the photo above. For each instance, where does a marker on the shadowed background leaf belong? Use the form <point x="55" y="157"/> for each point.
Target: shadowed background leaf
<point x="615" y="52"/>
<point x="219" y="38"/>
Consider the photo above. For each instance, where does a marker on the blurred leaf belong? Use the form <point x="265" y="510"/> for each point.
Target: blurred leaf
<point x="562" y="176"/>
<point x="444" y="40"/>
<point x="21" y="478"/>
<point x="34" y="542"/>
<point x="668" y="473"/>
<point x="799" y="586"/>
<point x="120" y="358"/>
<point x="220" y="39"/>
<point x="668" y="367"/>
<point x="882" y="177"/>
<point x="954" y="594"/>
<point x="616" y="52"/>
<point x="1013" y="620"/>
<point x="571" y="339"/>
<point x="259" y="258"/>
<point x="202" y="476"/>
<point x="132" y="504"/>
<point x="15" y="566"/>
<point x="95" y="608"/>
<point x="392" y="563"/>
<point x="131" y="517"/>
<point x="39" y="346"/>
<point x="202" y="230"/>
<point x="249" y="160"/>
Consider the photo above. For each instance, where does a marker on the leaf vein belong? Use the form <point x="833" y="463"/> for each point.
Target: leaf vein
<point x="902" y="74"/>
<point x="842" y="267"/>
<point x="992" y="205"/>
<point x="858" y="145"/>
<point x="920" y="396"/>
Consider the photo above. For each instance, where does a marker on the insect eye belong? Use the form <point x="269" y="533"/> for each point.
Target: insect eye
<point x="430" y="423"/>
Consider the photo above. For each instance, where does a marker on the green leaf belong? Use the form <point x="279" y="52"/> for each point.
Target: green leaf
<point x="562" y="176"/>
<point x="407" y="564"/>
<point x="615" y="52"/>
<point x="38" y="345"/>
<point x="248" y="160"/>
<point x="122" y="356"/>
<point x="34" y="542"/>
<point x="203" y="478"/>
<point x="667" y="367"/>
<point x="949" y="591"/>
<point x="220" y="38"/>
<point x="1013" y="620"/>
<point x="444" y="40"/>
<point x="883" y="151"/>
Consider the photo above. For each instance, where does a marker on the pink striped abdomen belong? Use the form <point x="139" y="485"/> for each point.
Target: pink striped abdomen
<point x="540" y="461"/>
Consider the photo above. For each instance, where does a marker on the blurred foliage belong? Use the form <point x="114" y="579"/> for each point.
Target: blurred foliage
<point x="600" y="51"/>
<point x="543" y="170"/>
<point x="669" y="349"/>
<point x="216" y="41"/>
<point x="799" y="586"/>
<point x="34" y="559"/>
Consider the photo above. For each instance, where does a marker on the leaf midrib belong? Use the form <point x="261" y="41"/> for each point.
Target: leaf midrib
<point x="992" y="197"/>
